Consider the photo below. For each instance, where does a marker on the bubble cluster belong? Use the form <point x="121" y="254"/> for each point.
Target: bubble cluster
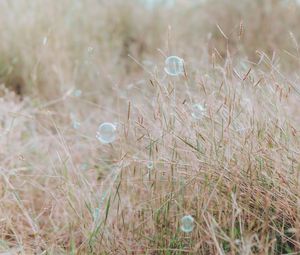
<point x="187" y="224"/>
<point x="106" y="133"/>
<point x="174" y="66"/>
<point x="198" y="111"/>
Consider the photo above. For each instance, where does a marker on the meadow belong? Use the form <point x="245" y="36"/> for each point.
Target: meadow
<point x="204" y="161"/>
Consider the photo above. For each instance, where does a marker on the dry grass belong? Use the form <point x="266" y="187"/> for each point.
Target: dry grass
<point x="236" y="171"/>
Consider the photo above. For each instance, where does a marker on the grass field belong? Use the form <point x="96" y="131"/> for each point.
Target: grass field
<point x="220" y="142"/>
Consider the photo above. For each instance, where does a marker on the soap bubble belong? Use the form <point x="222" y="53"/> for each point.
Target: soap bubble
<point x="77" y="93"/>
<point x="238" y="242"/>
<point x="174" y="66"/>
<point x="150" y="165"/>
<point x="84" y="166"/>
<point x="90" y="50"/>
<point x="76" y="124"/>
<point x="106" y="133"/>
<point x="198" y="111"/>
<point x="187" y="224"/>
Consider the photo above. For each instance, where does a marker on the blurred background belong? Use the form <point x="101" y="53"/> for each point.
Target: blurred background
<point x="48" y="47"/>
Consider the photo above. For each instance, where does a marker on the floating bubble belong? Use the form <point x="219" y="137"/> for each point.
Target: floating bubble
<point x="198" y="111"/>
<point x="77" y="93"/>
<point x="84" y="166"/>
<point x="150" y="165"/>
<point x="237" y="242"/>
<point x="174" y="66"/>
<point x="187" y="224"/>
<point x="76" y="124"/>
<point x="241" y="130"/>
<point x="106" y="133"/>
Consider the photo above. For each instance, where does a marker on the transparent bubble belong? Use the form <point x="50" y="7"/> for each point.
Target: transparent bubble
<point x="77" y="93"/>
<point x="76" y="124"/>
<point x="198" y="111"/>
<point x="237" y="241"/>
<point x="150" y="165"/>
<point x="106" y="133"/>
<point x="174" y="66"/>
<point x="84" y="166"/>
<point x="187" y="224"/>
<point x="90" y="50"/>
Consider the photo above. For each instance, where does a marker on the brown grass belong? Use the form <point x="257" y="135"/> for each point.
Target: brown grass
<point x="236" y="171"/>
